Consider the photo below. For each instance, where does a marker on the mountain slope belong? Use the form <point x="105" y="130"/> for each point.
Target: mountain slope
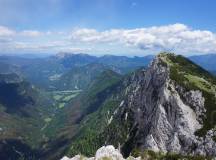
<point x="91" y="135"/>
<point x="43" y="72"/>
<point x="207" y="61"/>
<point x="47" y="72"/>
<point x="23" y="110"/>
<point x="70" y="60"/>
<point x="169" y="108"/>
<point x="70" y="118"/>
<point x="125" y="64"/>
<point x="80" y="77"/>
<point x="89" y="101"/>
<point x="213" y="72"/>
<point x="6" y="68"/>
<point x="122" y="63"/>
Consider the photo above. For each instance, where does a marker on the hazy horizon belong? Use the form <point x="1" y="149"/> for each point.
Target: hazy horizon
<point x="43" y="55"/>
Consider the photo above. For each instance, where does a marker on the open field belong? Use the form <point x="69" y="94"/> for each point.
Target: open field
<point x="63" y="97"/>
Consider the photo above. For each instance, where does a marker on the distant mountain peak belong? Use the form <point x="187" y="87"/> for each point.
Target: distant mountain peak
<point x="68" y="54"/>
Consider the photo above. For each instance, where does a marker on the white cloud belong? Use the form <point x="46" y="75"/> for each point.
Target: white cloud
<point x="32" y="33"/>
<point x="92" y="35"/>
<point x="4" y="31"/>
<point x="176" y="37"/>
<point x="48" y="46"/>
<point x="76" y="50"/>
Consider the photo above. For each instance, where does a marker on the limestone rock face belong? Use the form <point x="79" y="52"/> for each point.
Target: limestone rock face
<point x="165" y="116"/>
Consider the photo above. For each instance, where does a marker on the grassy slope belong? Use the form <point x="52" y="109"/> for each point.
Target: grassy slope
<point x="79" y="77"/>
<point x="151" y="155"/>
<point x="26" y="122"/>
<point x="102" y="127"/>
<point x="97" y="103"/>
<point x="24" y="111"/>
<point x="192" y="77"/>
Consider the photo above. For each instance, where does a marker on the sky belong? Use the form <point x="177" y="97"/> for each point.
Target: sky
<point x="98" y="27"/>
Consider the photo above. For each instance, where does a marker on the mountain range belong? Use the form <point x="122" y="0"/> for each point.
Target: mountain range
<point x="69" y="104"/>
<point x="47" y="72"/>
<point x="206" y="61"/>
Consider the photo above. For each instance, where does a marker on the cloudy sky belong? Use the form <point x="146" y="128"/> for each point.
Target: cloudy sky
<point x="120" y="27"/>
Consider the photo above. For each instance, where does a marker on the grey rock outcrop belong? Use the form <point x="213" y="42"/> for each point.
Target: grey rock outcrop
<point x="165" y="116"/>
<point x="103" y="153"/>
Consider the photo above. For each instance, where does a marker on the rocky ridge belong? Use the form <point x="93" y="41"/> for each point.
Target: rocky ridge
<point x="165" y="115"/>
<point x="162" y="111"/>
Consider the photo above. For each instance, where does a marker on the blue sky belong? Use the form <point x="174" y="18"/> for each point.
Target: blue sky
<point x="125" y="27"/>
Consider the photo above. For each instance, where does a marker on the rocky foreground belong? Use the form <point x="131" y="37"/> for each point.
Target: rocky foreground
<point x="110" y="153"/>
<point x="104" y="153"/>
